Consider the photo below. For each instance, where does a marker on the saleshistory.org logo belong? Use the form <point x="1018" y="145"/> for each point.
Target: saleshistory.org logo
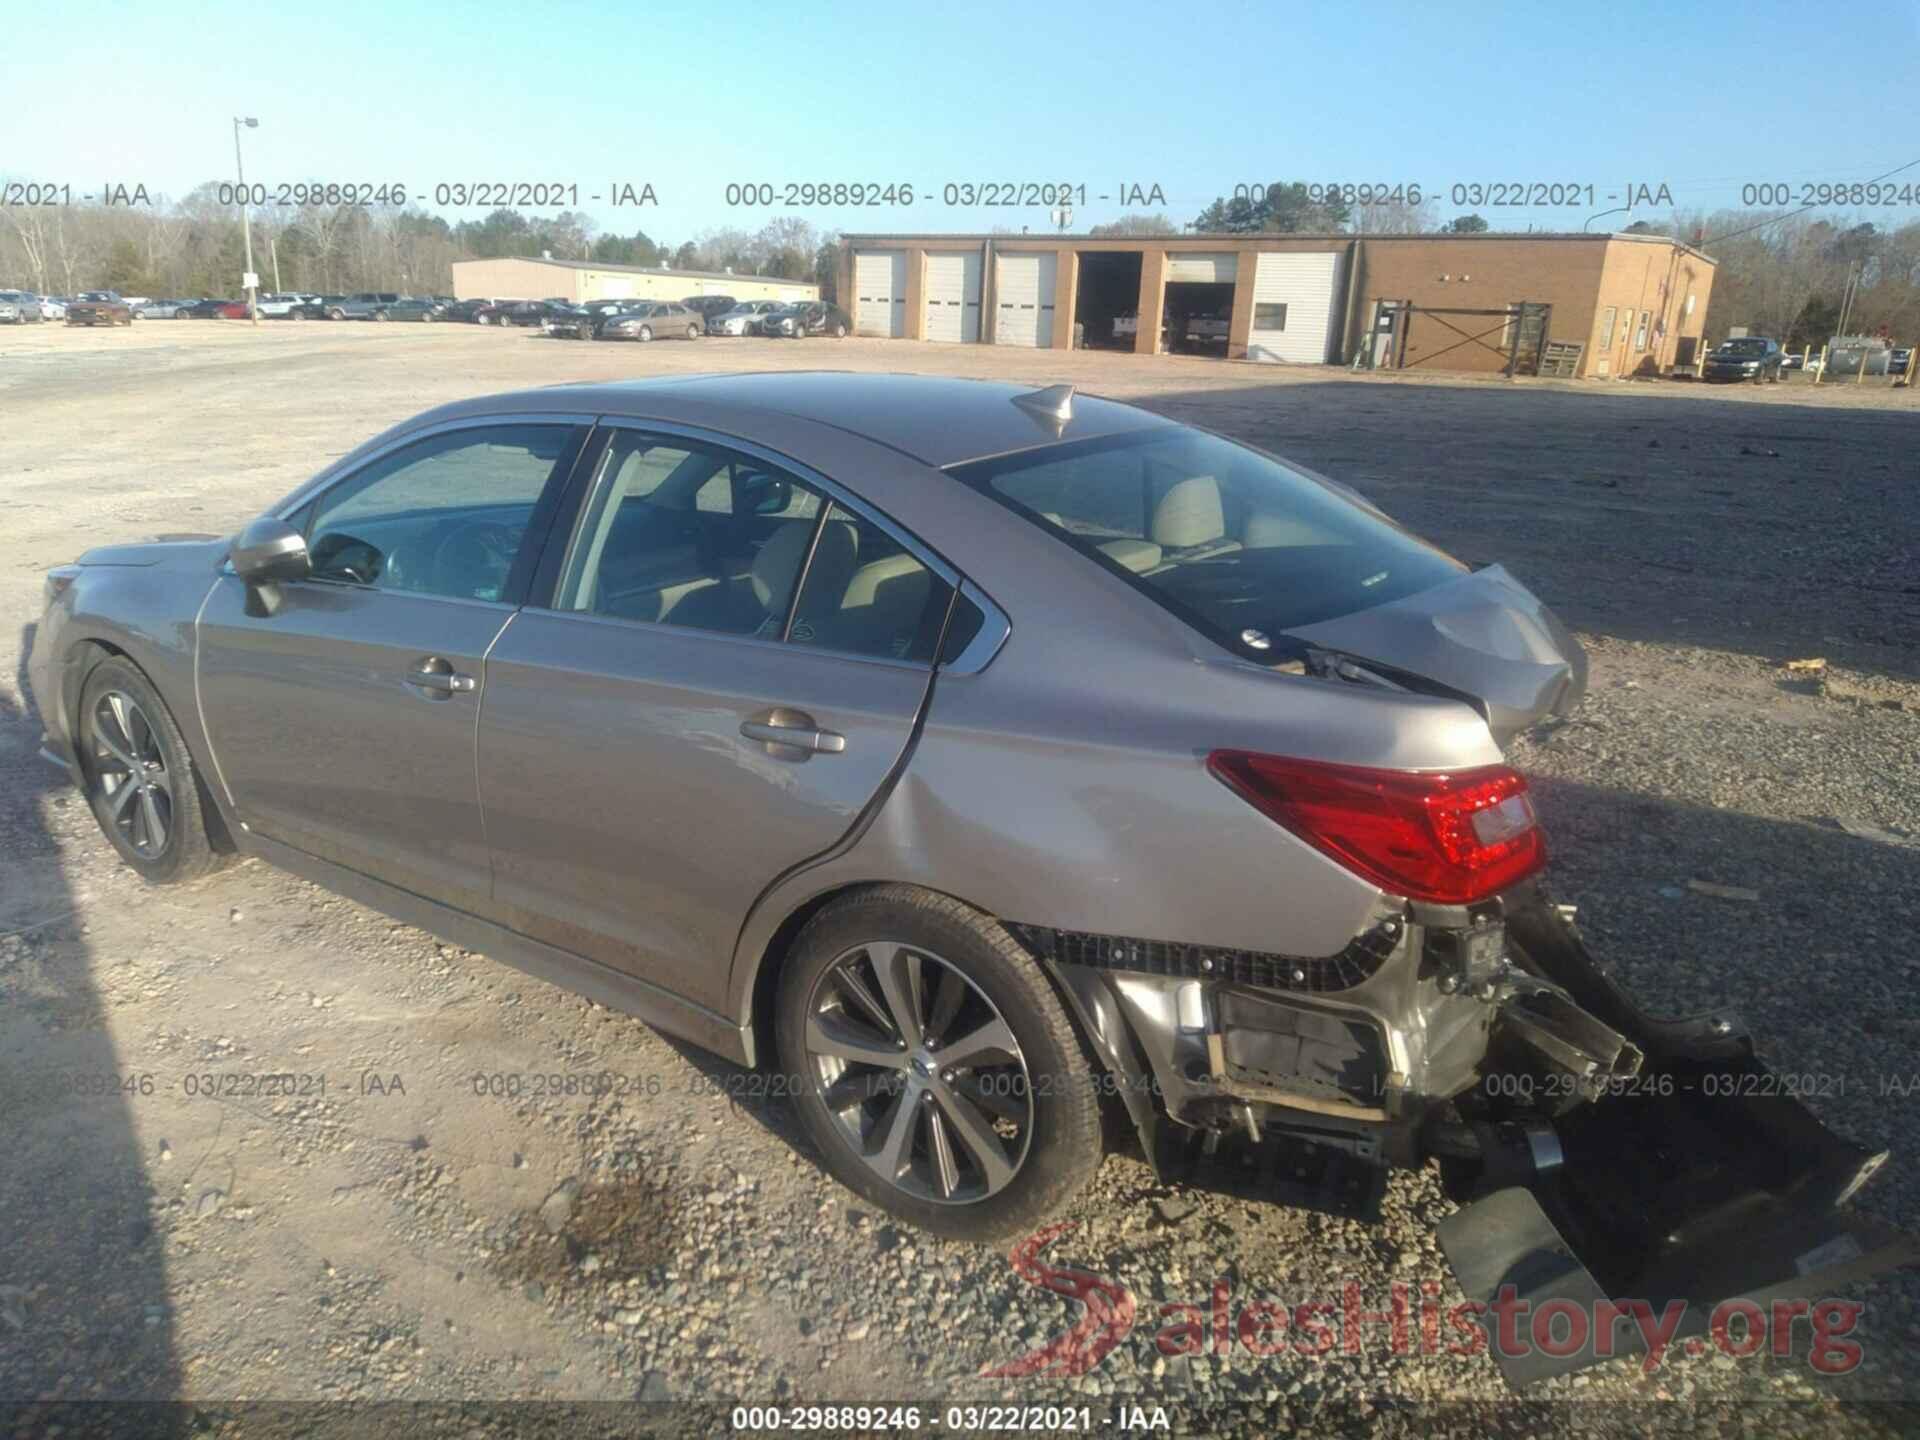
<point x="1405" y="1325"/>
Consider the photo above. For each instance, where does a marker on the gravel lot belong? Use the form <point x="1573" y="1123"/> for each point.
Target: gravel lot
<point x="401" y="1237"/>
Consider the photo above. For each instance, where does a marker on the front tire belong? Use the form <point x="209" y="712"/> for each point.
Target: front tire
<point x="139" y="779"/>
<point x="646" y="333"/>
<point x="934" y="1066"/>
<point x="693" y="332"/>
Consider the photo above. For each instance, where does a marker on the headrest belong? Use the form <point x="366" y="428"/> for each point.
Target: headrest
<point x="1190" y="514"/>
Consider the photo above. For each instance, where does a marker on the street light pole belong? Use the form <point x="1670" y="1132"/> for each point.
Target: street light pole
<point x="246" y="228"/>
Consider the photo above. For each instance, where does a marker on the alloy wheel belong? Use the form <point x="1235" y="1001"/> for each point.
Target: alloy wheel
<point x="131" y="775"/>
<point x="921" y="1073"/>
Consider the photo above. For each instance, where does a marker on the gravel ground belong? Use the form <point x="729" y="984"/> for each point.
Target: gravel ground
<point x="401" y="1237"/>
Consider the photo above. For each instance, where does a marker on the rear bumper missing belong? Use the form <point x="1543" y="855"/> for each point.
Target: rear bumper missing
<point x="1603" y="1157"/>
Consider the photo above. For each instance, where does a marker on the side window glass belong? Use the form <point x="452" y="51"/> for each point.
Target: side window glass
<point x="447" y="516"/>
<point x="682" y="534"/>
<point x="866" y="594"/>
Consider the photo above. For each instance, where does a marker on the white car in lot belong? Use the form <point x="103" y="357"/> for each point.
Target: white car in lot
<point x="743" y="319"/>
<point x="52" y="309"/>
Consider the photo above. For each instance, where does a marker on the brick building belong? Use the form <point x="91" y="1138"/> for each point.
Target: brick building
<point x="1632" y="304"/>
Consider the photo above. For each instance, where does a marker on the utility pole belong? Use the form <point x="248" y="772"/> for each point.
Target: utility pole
<point x="246" y="228"/>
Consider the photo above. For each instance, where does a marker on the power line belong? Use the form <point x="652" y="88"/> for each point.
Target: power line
<point x="1801" y="211"/>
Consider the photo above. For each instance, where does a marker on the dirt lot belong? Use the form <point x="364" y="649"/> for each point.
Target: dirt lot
<point x="402" y="1236"/>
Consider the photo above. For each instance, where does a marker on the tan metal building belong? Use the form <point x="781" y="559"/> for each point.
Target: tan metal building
<point x="516" y="278"/>
<point x="1631" y="304"/>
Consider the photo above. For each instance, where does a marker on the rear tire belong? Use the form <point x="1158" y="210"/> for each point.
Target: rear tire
<point x="984" y="1149"/>
<point x="155" y="817"/>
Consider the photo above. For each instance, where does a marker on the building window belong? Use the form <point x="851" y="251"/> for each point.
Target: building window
<point x="1606" y="326"/>
<point x="1640" y="335"/>
<point x="1269" y="317"/>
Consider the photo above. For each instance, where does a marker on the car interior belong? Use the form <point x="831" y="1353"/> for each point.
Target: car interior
<point x="700" y="538"/>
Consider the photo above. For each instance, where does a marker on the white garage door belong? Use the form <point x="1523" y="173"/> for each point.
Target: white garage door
<point x="953" y="295"/>
<point x="1023" y="292"/>
<point x="1293" y="300"/>
<point x="880" y="292"/>
<point x="1202" y="268"/>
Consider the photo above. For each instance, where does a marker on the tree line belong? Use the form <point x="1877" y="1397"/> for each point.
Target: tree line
<point x="1781" y="274"/>
<point x="194" y="247"/>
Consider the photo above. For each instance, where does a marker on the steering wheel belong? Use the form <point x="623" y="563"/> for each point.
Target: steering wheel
<point x="474" y="558"/>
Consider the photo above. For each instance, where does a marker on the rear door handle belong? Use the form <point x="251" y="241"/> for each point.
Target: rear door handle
<point x="439" y="679"/>
<point x="795" y="728"/>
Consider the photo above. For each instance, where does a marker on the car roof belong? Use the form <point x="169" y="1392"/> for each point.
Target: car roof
<point x="938" y="420"/>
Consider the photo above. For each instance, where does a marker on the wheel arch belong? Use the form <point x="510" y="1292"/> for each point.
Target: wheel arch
<point x="1104" y="1032"/>
<point x="81" y="659"/>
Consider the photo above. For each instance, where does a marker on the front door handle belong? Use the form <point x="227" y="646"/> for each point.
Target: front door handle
<point x="795" y="728"/>
<point x="439" y="680"/>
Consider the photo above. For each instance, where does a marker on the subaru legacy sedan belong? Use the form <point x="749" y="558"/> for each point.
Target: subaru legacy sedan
<point x="1011" y="769"/>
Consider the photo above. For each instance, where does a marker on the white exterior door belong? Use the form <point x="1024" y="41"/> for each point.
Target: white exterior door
<point x="953" y="295"/>
<point x="880" y="292"/>
<point x="1023" y="291"/>
<point x="1293" y="303"/>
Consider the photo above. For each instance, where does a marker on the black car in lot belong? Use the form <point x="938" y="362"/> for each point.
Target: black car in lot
<point x="532" y="312"/>
<point x="467" y="312"/>
<point x="808" y="317"/>
<point x="709" y="307"/>
<point x="1751" y="357"/>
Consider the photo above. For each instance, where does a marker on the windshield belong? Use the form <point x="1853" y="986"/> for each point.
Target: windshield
<point x="1744" y="347"/>
<point x="1230" y="540"/>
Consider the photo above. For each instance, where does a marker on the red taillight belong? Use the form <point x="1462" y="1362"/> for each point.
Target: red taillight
<point x="1451" y="839"/>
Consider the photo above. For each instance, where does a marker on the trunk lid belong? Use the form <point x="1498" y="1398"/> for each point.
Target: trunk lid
<point x="1483" y="636"/>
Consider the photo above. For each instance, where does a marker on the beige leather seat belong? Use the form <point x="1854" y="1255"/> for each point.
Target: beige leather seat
<point x="1191" y="519"/>
<point x="758" y="603"/>
<point x="879" y="613"/>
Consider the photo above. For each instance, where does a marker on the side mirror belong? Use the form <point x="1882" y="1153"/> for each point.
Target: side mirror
<point x="269" y="549"/>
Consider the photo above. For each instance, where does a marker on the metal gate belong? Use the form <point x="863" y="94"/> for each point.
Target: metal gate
<point x="1517" y="334"/>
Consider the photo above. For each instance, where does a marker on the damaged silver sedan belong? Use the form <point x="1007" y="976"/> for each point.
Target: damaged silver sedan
<point x="993" y="764"/>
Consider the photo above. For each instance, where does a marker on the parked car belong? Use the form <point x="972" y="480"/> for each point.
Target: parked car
<point x="1900" y="360"/>
<point x="410" y="307"/>
<point x="52" y="309"/>
<point x="210" y="310"/>
<point x="654" y="320"/>
<point x="572" y="321"/>
<point x="810" y="317"/>
<point x="162" y="309"/>
<point x="283" y="307"/>
<point x="708" y="306"/>
<point x="1751" y="357"/>
<point x="743" y="319"/>
<point x="17" y="307"/>
<point x="530" y="312"/>
<point x="791" y="755"/>
<point x="494" y="312"/>
<point x="88" y="310"/>
<point x="467" y="311"/>
<point x="362" y="305"/>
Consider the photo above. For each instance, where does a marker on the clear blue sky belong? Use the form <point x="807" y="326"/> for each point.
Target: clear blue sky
<point x="1194" y="97"/>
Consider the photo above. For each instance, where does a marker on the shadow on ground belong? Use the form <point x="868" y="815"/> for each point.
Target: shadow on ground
<point x="83" y="1286"/>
